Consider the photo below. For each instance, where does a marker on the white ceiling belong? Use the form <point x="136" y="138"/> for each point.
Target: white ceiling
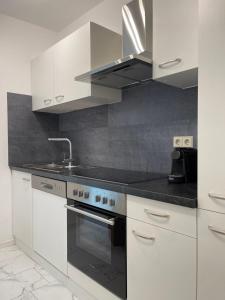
<point x="51" y="14"/>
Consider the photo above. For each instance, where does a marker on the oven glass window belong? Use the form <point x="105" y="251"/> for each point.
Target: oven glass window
<point x="94" y="238"/>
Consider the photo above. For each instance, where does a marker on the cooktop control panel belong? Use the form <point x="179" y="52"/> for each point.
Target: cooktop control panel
<point x="104" y="199"/>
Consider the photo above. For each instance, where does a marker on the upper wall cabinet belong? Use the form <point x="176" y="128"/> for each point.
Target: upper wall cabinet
<point x="175" y="42"/>
<point x="54" y="88"/>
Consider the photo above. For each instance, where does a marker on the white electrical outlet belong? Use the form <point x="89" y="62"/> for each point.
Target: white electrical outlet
<point x="188" y="141"/>
<point x="178" y="141"/>
<point x="183" y="142"/>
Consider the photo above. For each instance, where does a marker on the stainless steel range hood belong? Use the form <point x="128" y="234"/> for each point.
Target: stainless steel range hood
<point x="136" y="65"/>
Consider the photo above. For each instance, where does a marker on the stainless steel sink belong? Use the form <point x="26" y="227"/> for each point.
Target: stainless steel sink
<point x="54" y="167"/>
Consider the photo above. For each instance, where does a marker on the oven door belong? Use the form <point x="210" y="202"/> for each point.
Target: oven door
<point x="97" y="245"/>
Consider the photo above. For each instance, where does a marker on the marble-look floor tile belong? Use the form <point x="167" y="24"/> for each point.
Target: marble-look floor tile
<point x="22" y="279"/>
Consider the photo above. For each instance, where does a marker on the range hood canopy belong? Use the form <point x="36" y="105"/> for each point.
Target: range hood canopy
<point x="136" y="65"/>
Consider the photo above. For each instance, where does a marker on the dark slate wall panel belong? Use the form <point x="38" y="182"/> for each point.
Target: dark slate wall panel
<point x="135" y="134"/>
<point x="28" y="132"/>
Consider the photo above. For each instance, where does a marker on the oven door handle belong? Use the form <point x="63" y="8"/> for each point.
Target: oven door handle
<point x="92" y="216"/>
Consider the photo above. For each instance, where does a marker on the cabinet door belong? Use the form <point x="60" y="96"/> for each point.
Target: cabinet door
<point x="211" y="259"/>
<point x="71" y="58"/>
<point x="175" y="36"/>
<point x="161" y="263"/>
<point x="42" y="80"/>
<point x="211" y="107"/>
<point x="50" y="228"/>
<point x="22" y="207"/>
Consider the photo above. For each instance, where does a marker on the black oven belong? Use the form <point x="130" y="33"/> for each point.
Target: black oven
<point x="97" y="242"/>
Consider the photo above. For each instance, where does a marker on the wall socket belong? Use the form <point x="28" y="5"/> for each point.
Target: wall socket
<point x="183" y="142"/>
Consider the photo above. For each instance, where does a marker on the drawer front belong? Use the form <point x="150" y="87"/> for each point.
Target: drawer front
<point x="211" y="259"/>
<point x="172" y="217"/>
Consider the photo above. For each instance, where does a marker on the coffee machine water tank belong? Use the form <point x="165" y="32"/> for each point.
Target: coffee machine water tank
<point x="184" y="165"/>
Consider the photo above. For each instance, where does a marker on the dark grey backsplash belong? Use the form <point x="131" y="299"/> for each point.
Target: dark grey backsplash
<point x="28" y="132"/>
<point x="135" y="134"/>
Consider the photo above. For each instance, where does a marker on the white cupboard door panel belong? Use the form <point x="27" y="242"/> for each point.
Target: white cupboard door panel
<point x="71" y="58"/>
<point x="211" y="106"/>
<point x="175" y="35"/>
<point x="22" y="207"/>
<point x="161" y="264"/>
<point x="42" y="80"/>
<point x="211" y="258"/>
<point x="50" y="228"/>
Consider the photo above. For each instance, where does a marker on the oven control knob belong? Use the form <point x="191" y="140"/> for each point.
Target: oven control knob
<point x="86" y="195"/>
<point x="81" y="194"/>
<point x="97" y="198"/>
<point x="112" y="202"/>
<point x="104" y="200"/>
<point x="75" y="192"/>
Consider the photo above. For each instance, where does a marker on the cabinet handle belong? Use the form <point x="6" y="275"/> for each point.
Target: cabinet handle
<point x="59" y="98"/>
<point x="170" y="63"/>
<point x="216" y="196"/>
<point x="47" y="101"/>
<point x="156" y="214"/>
<point x="47" y="186"/>
<point x="26" y="179"/>
<point x="217" y="230"/>
<point x="143" y="236"/>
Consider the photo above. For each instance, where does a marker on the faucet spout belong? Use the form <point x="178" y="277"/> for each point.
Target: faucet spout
<point x="70" y="147"/>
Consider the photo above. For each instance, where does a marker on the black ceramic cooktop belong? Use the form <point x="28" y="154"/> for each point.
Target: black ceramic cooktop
<point x="116" y="175"/>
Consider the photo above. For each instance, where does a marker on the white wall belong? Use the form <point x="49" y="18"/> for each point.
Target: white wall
<point x="19" y="42"/>
<point x="108" y="13"/>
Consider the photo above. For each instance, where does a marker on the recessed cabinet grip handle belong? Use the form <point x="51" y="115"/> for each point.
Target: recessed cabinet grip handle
<point x="26" y="179"/>
<point x="156" y="214"/>
<point x="143" y="236"/>
<point x="47" y="101"/>
<point x="170" y="63"/>
<point x="216" y="196"/>
<point x="216" y="230"/>
<point x="59" y="98"/>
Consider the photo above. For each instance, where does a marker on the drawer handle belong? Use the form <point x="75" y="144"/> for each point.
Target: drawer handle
<point x="156" y="214"/>
<point x="217" y="230"/>
<point x="216" y="196"/>
<point x="47" y="101"/>
<point x="170" y="63"/>
<point x="59" y="98"/>
<point x="26" y="179"/>
<point x="143" y="236"/>
<point x="47" y="186"/>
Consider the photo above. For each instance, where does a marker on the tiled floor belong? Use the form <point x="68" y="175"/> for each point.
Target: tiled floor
<point x="22" y="279"/>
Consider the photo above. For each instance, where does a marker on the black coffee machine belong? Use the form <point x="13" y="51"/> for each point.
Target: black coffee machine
<point x="184" y="166"/>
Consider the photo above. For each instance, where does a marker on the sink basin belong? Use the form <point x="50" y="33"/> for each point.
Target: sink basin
<point x="54" y="167"/>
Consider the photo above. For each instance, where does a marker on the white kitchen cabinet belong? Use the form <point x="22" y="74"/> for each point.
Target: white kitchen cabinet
<point x="22" y="207"/>
<point x="42" y="80"/>
<point x="211" y="107"/>
<point x="161" y="264"/>
<point x="175" y="42"/>
<point x="89" y="47"/>
<point x="211" y="259"/>
<point x="50" y="228"/>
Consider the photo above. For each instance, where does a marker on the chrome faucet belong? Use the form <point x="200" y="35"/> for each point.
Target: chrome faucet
<point x="70" y="160"/>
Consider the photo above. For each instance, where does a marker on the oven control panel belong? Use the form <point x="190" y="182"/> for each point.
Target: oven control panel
<point x="105" y="199"/>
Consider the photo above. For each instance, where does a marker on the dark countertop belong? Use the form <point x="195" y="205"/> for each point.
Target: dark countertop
<point x="157" y="189"/>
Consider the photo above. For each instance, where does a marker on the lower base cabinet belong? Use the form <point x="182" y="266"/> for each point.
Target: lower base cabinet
<point x="211" y="258"/>
<point x="50" y="228"/>
<point x="161" y="263"/>
<point x="22" y="207"/>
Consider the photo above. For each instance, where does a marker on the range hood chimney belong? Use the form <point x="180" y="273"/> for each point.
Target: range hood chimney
<point x="135" y="66"/>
